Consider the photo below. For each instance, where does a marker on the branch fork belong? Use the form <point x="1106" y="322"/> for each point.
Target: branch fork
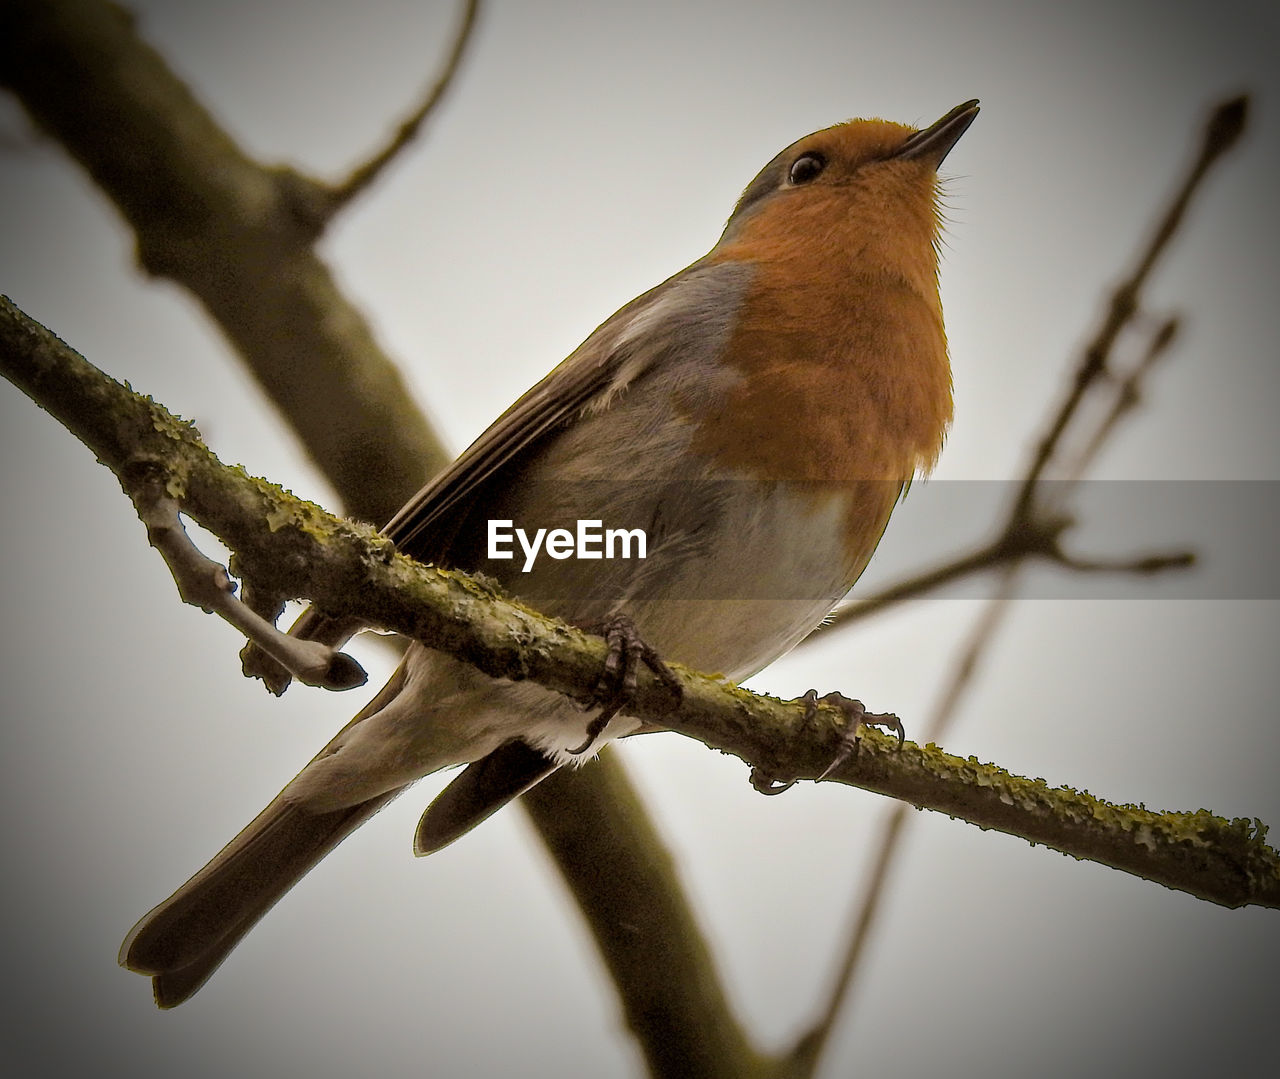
<point x="205" y="583"/>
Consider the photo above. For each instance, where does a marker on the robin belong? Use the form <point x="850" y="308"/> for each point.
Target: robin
<point x="703" y="480"/>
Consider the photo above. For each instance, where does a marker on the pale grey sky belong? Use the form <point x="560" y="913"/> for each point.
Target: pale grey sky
<point x="587" y="152"/>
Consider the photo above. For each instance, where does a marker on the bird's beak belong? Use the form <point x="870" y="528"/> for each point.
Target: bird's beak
<point x="933" y="143"/>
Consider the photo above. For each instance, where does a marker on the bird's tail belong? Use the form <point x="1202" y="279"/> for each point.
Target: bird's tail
<point x="184" y="940"/>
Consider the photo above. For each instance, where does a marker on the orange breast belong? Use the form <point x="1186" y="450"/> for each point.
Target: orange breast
<point x="842" y="382"/>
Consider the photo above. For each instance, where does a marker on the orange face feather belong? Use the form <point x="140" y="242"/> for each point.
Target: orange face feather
<point x="840" y="341"/>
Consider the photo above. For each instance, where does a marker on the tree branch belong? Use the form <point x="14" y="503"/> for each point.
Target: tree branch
<point x="1220" y="134"/>
<point x="1126" y="398"/>
<point x="320" y="202"/>
<point x="651" y="943"/>
<point x="290" y="547"/>
<point x="221" y="225"/>
<point x="205" y="584"/>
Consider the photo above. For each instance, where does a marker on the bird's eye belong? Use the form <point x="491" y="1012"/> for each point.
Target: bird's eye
<point x="805" y="168"/>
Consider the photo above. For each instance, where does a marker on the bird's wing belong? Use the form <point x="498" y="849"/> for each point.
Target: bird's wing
<point x="689" y="314"/>
<point x="681" y="313"/>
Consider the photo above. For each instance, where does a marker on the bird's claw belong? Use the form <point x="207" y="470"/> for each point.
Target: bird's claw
<point x="617" y="685"/>
<point x="767" y="784"/>
<point x="856" y="717"/>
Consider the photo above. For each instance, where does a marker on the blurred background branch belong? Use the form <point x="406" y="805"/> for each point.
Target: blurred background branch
<point x="318" y="201"/>
<point x="214" y="221"/>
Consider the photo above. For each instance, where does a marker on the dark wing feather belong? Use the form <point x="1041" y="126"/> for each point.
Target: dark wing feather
<point x="691" y="312"/>
<point x="479" y="791"/>
<point x="420" y="529"/>
<point x="427" y="525"/>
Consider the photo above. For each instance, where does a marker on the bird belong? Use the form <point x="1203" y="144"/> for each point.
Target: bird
<point x="703" y="480"/>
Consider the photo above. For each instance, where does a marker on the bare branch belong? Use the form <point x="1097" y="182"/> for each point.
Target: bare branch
<point x="1224" y="128"/>
<point x="1127" y="397"/>
<point x="321" y="202"/>
<point x="676" y="1007"/>
<point x="206" y="584"/>
<point x="1141" y="565"/>
<point x="980" y="560"/>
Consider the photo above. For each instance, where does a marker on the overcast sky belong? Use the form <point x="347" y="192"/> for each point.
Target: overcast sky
<point x="587" y="152"/>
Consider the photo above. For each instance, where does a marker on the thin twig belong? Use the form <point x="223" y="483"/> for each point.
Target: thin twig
<point x="320" y="202"/>
<point x="1127" y="397"/>
<point x="921" y="583"/>
<point x="1224" y="128"/>
<point x="1039" y="539"/>
<point x="206" y="584"/>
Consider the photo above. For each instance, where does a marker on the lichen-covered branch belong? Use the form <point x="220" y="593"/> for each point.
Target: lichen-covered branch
<point x="204" y="583"/>
<point x="291" y="547"/>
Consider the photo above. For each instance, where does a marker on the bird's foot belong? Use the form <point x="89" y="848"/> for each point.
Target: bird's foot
<point x="856" y="718"/>
<point x="617" y="685"/>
